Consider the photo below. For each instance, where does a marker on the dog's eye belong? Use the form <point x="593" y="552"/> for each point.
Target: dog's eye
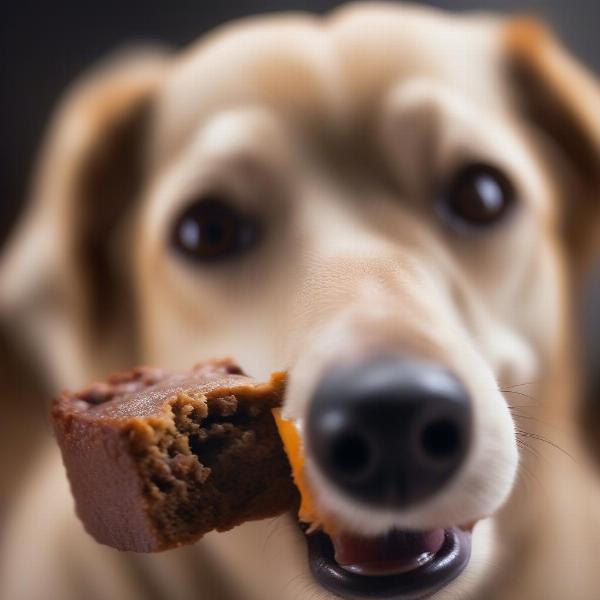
<point x="479" y="196"/>
<point x="211" y="229"/>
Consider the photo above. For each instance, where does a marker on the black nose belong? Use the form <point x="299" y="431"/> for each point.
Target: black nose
<point x="389" y="432"/>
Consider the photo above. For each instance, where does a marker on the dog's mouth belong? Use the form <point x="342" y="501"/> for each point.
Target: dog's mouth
<point x="400" y="565"/>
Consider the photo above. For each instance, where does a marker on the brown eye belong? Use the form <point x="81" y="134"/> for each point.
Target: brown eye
<point x="479" y="196"/>
<point x="210" y="229"/>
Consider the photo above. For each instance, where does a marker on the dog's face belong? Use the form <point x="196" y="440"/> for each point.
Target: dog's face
<point x="367" y="202"/>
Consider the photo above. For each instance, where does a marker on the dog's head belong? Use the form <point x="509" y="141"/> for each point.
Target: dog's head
<point x="388" y="202"/>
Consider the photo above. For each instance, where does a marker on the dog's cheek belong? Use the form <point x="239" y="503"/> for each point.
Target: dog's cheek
<point x="489" y="475"/>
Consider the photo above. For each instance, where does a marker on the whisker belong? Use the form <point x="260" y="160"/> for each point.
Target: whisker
<point x="532" y="451"/>
<point x="527" y="448"/>
<point x="536" y="419"/>
<point x="509" y="387"/>
<point x="540" y="438"/>
<point x="524" y="471"/>
<point x="515" y="409"/>
<point x="523" y="444"/>
<point x="519" y="394"/>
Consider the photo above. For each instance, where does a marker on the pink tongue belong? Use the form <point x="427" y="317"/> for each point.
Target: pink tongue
<point x="392" y="553"/>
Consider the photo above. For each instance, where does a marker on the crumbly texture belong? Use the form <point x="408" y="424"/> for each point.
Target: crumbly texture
<point x="156" y="459"/>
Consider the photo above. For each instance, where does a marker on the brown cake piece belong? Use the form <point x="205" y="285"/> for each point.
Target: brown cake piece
<point x="157" y="459"/>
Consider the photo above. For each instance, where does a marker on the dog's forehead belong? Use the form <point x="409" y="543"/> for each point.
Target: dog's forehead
<point x="317" y="71"/>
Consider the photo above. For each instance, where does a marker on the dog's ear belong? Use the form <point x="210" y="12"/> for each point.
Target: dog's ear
<point x="64" y="292"/>
<point x="560" y="99"/>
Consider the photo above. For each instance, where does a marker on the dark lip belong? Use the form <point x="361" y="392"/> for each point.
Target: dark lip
<point x="448" y="563"/>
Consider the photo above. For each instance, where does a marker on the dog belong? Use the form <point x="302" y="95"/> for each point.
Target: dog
<point x="392" y="203"/>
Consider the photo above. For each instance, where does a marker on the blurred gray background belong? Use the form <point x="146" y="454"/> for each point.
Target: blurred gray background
<point x="44" y="45"/>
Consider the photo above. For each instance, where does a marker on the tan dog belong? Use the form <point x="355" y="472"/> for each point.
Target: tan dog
<point x="388" y="184"/>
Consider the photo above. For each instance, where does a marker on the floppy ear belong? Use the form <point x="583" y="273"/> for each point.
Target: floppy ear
<point x="64" y="293"/>
<point x="561" y="101"/>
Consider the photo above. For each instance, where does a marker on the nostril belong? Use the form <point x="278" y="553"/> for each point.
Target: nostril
<point x="352" y="456"/>
<point x="441" y="440"/>
<point x="389" y="431"/>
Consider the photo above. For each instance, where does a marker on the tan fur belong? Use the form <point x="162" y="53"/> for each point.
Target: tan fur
<point x="348" y="123"/>
<point x="555" y="74"/>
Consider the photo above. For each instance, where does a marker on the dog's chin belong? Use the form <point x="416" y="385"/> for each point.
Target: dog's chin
<point x="398" y="565"/>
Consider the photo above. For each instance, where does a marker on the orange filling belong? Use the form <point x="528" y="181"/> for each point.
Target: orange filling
<point x="292" y="443"/>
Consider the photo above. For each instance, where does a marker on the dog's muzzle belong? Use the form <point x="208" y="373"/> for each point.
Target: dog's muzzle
<point x="389" y="433"/>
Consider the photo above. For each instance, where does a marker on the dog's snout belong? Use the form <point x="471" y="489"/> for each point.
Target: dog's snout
<point x="389" y="432"/>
